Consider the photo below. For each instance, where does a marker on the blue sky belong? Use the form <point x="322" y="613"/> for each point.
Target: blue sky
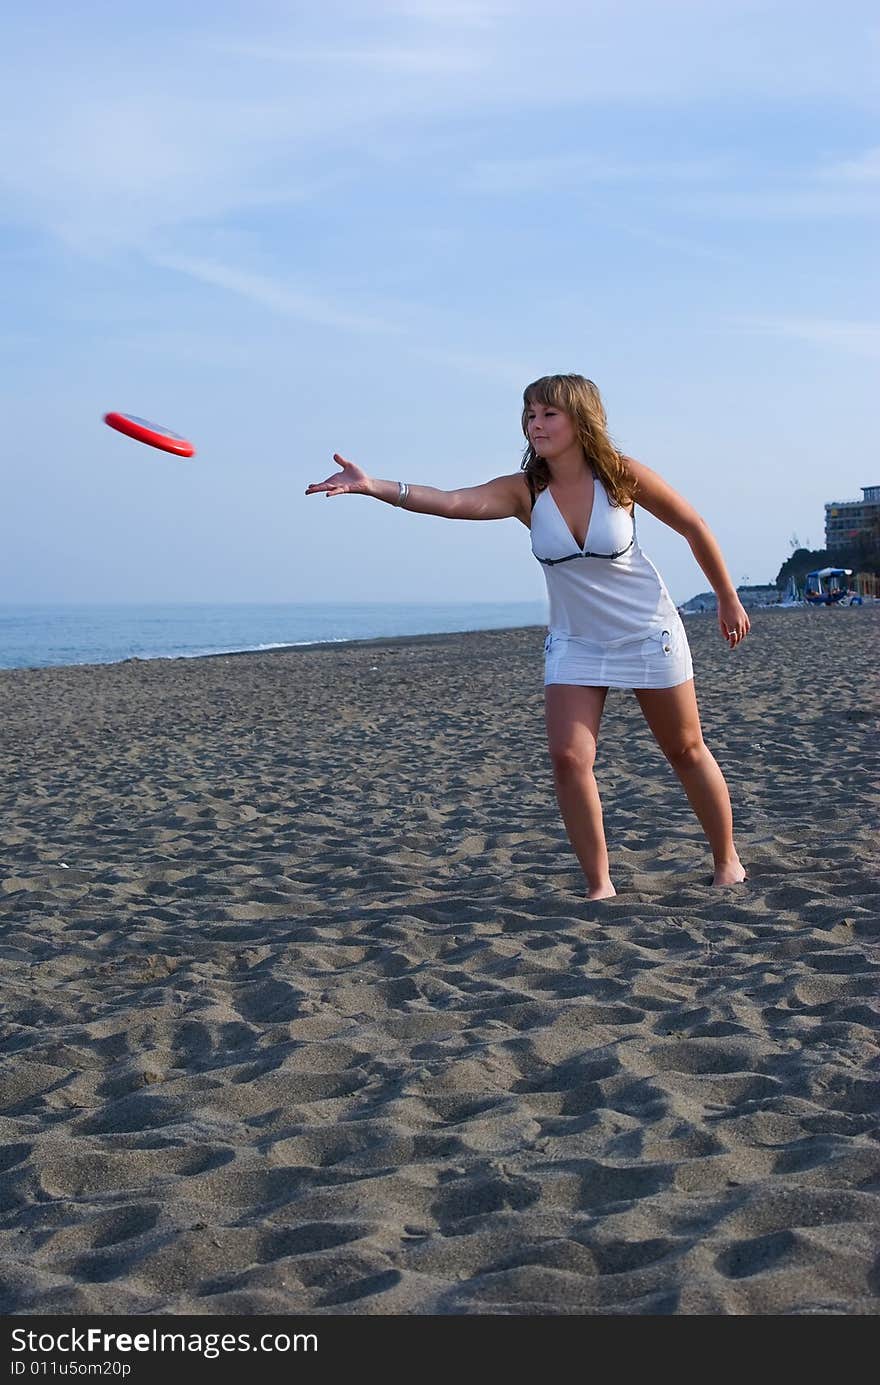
<point x="287" y="230"/>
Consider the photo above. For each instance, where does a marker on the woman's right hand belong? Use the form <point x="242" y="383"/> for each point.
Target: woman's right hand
<point x="349" y="481"/>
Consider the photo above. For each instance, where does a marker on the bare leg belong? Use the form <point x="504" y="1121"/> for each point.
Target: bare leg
<point x="573" y="715"/>
<point x="674" y="718"/>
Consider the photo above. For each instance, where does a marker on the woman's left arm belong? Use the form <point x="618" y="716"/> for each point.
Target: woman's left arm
<point x="660" y="500"/>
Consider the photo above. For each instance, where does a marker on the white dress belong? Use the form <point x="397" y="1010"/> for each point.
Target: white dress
<point x="612" y="622"/>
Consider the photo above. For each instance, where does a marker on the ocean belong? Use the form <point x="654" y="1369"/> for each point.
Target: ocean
<point x="46" y="636"/>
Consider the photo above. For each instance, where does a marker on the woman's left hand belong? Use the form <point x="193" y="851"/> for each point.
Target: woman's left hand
<point x="733" y="619"/>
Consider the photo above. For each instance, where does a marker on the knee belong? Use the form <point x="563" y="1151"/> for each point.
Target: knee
<point x="572" y="761"/>
<point x="686" y="754"/>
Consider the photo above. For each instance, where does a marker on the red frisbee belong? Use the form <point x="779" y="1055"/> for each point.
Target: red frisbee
<point x="152" y="433"/>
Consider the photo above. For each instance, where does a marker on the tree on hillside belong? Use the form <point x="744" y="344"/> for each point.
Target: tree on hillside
<point x="802" y="561"/>
<point x="860" y="557"/>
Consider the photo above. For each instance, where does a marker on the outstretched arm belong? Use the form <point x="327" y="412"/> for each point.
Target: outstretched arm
<point x="505" y="497"/>
<point x="660" y="500"/>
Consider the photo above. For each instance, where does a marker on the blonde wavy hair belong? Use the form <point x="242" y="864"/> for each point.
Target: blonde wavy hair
<point x="580" y="399"/>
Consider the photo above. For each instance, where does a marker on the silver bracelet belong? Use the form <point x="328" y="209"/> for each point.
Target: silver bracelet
<point x="402" y="493"/>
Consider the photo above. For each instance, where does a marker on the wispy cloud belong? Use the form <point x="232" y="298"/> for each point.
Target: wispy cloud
<point x="278" y="297"/>
<point x="797" y="202"/>
<point x="863" y="169"/>
<point x="491" y="366"/>
<point x="102" y="138"/>
<point x="400" y="60"/>
<point x="863" y="338"/>
<point x="471" y="14"/>
<point x="680" y="245"/>
<point x="515" y="176"/>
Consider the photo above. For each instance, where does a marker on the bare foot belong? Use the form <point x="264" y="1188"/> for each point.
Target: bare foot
<point x="731" y="873"/>
<point x="602" y="891"/>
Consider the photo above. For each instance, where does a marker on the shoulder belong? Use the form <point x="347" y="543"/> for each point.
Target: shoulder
<point x="647" y="485"/>
<point x="658" y="497"/>
<point x="642" y="478"/>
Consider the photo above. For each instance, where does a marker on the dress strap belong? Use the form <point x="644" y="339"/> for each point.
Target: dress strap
<point x="532" y="492"/>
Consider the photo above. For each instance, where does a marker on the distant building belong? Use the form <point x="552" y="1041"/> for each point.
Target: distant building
<point x="705" y="601"/>
<point x="849" y="522"/>
<point x="767" y="594"/>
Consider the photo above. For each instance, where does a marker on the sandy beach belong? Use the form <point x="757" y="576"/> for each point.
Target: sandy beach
<point x="303" y="1009"/>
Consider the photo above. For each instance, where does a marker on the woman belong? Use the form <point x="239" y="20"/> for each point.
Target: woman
<point x="612" y="623"/>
